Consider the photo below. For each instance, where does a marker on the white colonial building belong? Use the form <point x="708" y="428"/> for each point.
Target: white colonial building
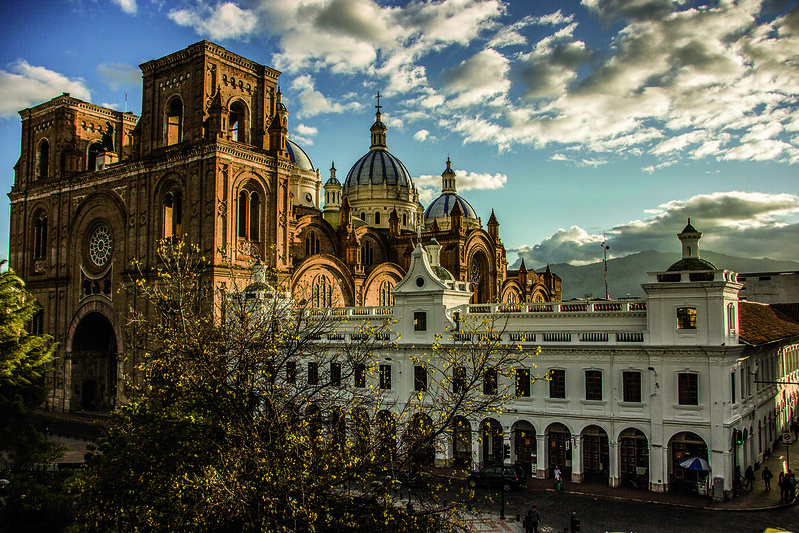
<point x="622" y="391"/>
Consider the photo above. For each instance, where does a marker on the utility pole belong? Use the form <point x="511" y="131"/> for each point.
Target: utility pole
<point x="605" y="249"/>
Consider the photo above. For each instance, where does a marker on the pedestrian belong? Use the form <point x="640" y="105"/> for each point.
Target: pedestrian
<point x="750" y="478"/>
<point x="782" y="485"/>
<point x="574" y="523"/>
<point x="558" y="478"/>
<point x="531" y="521"/>
<point x="791" y="486"/>
<point x="47" y="433"/>
<point x="738" y="477"/>
<point x="767" y="475"/>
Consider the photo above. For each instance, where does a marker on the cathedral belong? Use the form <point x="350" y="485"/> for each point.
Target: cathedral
<point x="210" y="160"/>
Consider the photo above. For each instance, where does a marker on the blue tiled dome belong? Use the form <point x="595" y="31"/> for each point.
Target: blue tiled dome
<point x="442" y="206"/>
<point x="298" y="156"/>
<point x="378" y="167"/>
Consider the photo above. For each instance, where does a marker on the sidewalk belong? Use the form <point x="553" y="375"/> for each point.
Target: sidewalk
<point x="756" y="499"/>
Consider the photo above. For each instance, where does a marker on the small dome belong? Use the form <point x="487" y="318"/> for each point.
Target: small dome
<point x="333" y="181"/>
<point x="442" y="207"/>
<point x="379" y="167"/>
<point x="442" y="273"/>
<point x="298" y="156"/>
<point x="691" y="263"/>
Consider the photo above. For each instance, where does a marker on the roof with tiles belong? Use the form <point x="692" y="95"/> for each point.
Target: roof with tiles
<point x="763" y="323"/>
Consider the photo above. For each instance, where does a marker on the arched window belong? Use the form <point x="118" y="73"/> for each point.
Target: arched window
<point x="173" y="213"/>
<point x="404" y="219"/>
<point x="311" y="243"/>
<point x="43" y="160"/>
<point x="37" y="323"/>
<point x="255" y="212"/>
<point x="367" y="254"/>
<point x="237" y="122"/>
<point x="40" y="236"/>
<point x="91" y="156"/>
<point x="249" y="215"/>
<point x="385" y="293"/>
<point x="731" y="320"/>
<point x="363" y="216"/>
<point x="174" y="121"/>
<point x="322" y="292"/>
<point x="377" y="218"/>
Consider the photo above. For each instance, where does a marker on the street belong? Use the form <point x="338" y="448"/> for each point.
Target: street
<point x="600" y="515"/>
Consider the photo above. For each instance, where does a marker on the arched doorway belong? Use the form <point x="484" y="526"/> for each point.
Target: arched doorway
<point x="461" y="443"/>
<point x="526" y="446"/>
<point x="94" y="362"/>
<point x="492" y="435"/>
<point x="386" y="437"/>
<point x="421" y="448"/>
<point x="686" y="445"/>
<point x="634" y="458"/>
<point x="560" y="449"/>
<point x="595" y="454"/>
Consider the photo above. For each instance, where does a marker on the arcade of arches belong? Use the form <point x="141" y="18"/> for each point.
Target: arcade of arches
<point x="588" y="455"/>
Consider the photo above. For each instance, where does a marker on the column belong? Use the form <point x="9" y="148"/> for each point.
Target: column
<point x="477" y="448"/>
<point x="542" y="461"/>
<point x="444" y="449"/>
<point x="614" y="468"/>
<point x="577" y="459"/>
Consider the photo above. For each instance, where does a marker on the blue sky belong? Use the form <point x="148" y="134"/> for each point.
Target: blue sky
<point x="572" y="120"/>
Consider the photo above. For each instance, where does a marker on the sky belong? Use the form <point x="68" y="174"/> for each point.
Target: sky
<point x="577" y="122"/>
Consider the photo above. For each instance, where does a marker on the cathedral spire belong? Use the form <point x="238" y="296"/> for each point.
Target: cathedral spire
<point x="448" y="179"/>
<point x="378" y="129"/>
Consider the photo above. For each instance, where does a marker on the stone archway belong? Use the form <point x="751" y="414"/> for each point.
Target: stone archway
<point x="596" y="456"/>
<point x="634" y="458"/>
<point x="526" y="446"/>
<point x="682" y="446"/>
<point x="94" y="362"/>
<point x="480" y="277"/>
<point x="559" y="452"/>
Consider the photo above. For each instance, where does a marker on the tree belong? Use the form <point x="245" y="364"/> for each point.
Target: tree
<point x="254" y="416"/>
<point x="23" y="358"/>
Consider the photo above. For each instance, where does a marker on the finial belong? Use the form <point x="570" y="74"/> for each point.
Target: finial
<point x="378" y="106"/>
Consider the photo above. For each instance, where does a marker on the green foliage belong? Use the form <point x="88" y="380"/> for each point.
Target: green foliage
<point x="39" y="501"/>
<point x="23" y="358"/>
<point x="221" y="439"/>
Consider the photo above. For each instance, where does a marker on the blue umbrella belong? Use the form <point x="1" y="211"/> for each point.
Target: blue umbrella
<point x="695" y="463"/>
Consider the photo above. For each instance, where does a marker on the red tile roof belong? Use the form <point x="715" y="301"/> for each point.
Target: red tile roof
<point x="762" y="323"/>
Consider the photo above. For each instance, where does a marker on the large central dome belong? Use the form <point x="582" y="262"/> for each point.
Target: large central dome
<point x="378" y="167"/>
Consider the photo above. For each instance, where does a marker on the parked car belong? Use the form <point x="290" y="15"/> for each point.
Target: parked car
<point x="507" y="477"/>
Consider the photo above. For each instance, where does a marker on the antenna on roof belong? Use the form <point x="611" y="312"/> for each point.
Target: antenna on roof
<point x="605" y="249"/>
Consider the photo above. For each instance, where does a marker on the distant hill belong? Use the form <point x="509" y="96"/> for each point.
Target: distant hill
<point x="626" y="274"/>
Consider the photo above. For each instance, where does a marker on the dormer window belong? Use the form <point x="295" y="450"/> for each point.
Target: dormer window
<point x="686" y="318"/>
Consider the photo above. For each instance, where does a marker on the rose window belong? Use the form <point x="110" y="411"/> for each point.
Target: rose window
<point x="100" y="246"/>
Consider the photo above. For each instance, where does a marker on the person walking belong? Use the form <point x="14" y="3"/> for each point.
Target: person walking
<point x="749" y="475"/>
<point x="791" y="481"/>
<point x="531" y="521"/>
<point x="782" y="485"/>
<point x="767" y="475"/>
<point x="558" y="478"/>
<point x="574" y="523"/>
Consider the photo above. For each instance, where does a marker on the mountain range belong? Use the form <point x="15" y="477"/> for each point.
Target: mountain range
<point x="626" y="274"/>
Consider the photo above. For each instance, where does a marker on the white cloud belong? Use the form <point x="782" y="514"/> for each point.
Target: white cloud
<point x="128" y="6"/>
<point x="421" y="135"/>
<point x="763" y="224"/>
<point x="25" y="85"/>
<point x="482" y="76"/>
<point x="223" y="21"/>
<point x="305" y="131"/>
<point x="118" y="75"/>
<point x="313" y="102"/>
